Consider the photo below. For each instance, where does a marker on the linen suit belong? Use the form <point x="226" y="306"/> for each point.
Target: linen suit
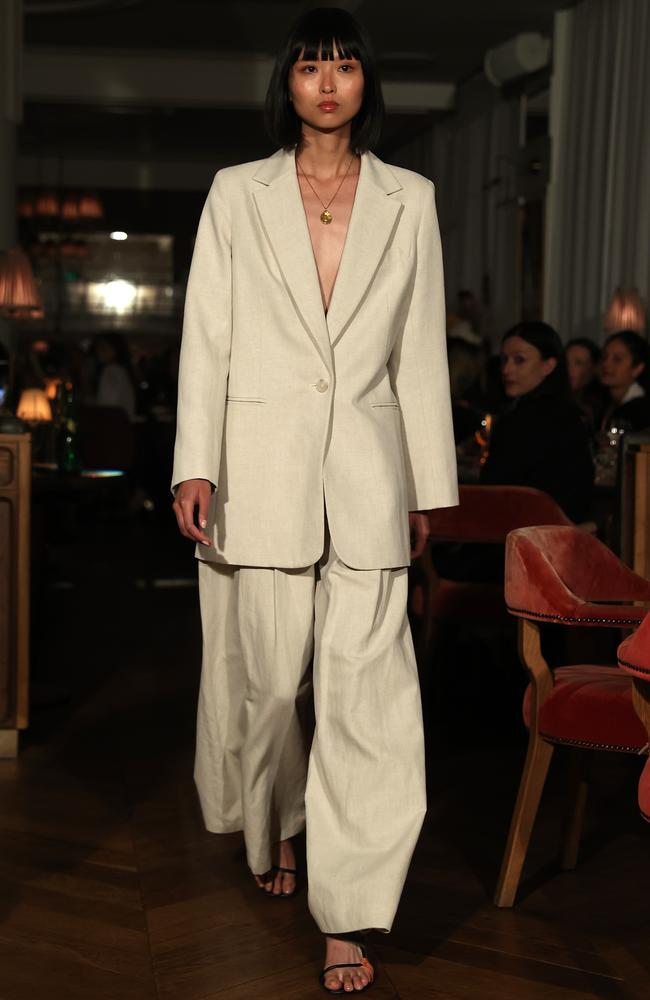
<point x="320" y="432"/>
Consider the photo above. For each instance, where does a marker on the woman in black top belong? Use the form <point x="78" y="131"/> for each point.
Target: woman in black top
<point x="623" y="373"/>
<point x="540" y="439"/>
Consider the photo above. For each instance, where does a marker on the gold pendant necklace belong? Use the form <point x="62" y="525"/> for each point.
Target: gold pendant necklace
<point x="325" y="216"/>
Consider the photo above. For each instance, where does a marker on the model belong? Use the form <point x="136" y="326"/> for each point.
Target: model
<point x="314" y="428"/>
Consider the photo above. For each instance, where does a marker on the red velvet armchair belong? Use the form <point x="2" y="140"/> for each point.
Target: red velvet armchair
<point x="484" y="515"/>
<point x="634" y="659"/>
<point x="564" y="575"/>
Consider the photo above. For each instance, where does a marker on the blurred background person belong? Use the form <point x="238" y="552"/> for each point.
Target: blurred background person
<point x="466" y="375"/>
<point x="582" y="360"/>
<point x="624" y="376"/>
<point x="114" y="376"/>
<point x="540" y="439"/>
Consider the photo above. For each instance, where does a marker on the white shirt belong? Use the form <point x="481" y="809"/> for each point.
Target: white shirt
<point x="116" y="389"/>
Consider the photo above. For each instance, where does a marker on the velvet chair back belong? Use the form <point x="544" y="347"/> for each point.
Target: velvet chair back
<point x="564" y="574"/>
<point x="485" y="514"/>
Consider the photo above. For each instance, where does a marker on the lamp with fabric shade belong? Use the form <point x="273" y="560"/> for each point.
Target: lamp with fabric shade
<point x="625" y="311"/>
<point x="34" y="406"/>
<point x="19" y="295"/>
<point x="70" y="209"/>
<point x="47" y="204"/>
<point x="90" y="207"/>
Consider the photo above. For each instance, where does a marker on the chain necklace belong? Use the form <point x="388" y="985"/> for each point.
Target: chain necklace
<point x="325" y="216"/>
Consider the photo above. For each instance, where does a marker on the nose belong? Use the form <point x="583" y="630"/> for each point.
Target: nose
<point x="327" y="80"/>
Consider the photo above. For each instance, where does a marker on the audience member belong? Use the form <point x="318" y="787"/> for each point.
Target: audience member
<point x="115" y="380"/>
<point x="466" y="370"/>
<point x="582" y="358"/>
<point x="624" y="374"/>
<point x="540" y="439"/>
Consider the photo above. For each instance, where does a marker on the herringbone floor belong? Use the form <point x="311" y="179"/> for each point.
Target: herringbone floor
<point x="111" y="890"/>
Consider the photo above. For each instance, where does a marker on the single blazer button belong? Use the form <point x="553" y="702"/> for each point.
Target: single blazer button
<point x="322" y="385"/>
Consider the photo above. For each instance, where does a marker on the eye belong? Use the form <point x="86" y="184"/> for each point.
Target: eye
<point x="346" y="67"/>
<point x="307" y="69"/>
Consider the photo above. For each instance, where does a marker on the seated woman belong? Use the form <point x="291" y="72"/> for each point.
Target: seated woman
<point x="540" y="439"/>
<point x="623" y="373"/>
<point x="582" y="358"/>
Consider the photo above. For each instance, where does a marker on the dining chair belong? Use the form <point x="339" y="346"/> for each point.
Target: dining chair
<point x="484" y="516"/>
<point x="634" y="658"/>
<point x="564" y="576"/>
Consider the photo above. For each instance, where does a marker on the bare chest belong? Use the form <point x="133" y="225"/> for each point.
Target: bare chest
<point x="327" y="241"/>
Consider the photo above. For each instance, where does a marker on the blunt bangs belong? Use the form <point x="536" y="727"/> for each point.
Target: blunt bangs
<point x="321" y="34"/>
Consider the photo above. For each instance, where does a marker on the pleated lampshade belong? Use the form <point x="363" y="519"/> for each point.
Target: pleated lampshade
<point x="34" y="406"/>
<point x="19" y="294"/>
<point x="70" y="208"/>
<point x="47" y="204"/>
<point x="625" y="311"/>
<point x="90" y="207"/>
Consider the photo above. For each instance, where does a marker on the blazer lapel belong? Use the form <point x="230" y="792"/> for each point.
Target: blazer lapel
<point x="372" y="223"/>
<point x="281" y="211"/>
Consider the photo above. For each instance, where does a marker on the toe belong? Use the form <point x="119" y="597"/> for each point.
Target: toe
<point x="332" y="982"/>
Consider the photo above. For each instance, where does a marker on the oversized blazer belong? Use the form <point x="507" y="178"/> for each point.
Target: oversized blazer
<point x="292" y="412"/>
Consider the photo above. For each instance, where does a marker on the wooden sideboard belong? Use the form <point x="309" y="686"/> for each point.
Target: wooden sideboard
<point x="15" y="497"/>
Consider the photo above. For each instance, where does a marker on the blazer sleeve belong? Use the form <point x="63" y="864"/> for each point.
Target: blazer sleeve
<point x="205" y="346"/>
<point x="420" y="376"/>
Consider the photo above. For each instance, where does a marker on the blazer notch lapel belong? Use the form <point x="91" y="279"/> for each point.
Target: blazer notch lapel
<point x="374" y="219"/>
<point x="282" y="216"/>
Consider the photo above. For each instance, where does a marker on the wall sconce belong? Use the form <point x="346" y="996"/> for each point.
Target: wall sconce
<point x="34" y="407"/>
<point x="625" y="311"/>
<point x="19" y="294"/>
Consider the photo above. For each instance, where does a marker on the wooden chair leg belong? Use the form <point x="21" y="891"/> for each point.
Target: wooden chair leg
<point x="538" y="760"/>
<point x="578" y="790"/>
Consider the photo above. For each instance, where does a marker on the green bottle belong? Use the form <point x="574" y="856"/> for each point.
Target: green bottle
<point x="68" y="457"/>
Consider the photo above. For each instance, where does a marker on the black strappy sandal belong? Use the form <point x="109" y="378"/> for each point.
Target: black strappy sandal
<point x="363" y="964"/>
<point x="280" y="895"/>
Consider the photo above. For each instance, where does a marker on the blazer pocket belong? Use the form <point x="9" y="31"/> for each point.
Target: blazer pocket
<point x="395" y="406"/>
<point x="244" y="399"/>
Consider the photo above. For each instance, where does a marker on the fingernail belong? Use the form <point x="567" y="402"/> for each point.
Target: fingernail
<point x="204" y="523"/>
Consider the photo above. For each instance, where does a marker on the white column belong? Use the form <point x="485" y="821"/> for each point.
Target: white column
<point x="11" y="46"/>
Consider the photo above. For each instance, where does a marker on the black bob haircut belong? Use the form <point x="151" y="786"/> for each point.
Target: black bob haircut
<point x="318" y="31"/>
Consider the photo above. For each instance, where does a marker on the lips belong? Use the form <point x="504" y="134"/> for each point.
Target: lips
<point x="328" y="105"/>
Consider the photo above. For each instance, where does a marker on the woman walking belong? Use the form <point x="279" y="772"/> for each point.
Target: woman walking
<point x="314" y="428"/>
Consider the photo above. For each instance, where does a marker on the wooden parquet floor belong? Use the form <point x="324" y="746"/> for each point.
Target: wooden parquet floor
<point x="110" y="889"/>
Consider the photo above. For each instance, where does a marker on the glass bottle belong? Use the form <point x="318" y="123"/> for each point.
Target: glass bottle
<point x="68" y="437"/>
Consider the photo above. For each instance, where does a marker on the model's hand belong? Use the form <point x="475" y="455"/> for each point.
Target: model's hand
<point x="419" y="525"/>
<point x="191" y="494"/>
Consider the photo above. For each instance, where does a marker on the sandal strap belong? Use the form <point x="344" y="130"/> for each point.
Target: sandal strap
<point x="342" y="965"/>
<point x="363" y="964"/>
<point x="279" y="868"/>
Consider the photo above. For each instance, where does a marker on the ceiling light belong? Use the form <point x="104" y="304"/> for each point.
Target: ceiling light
<point x="118" y="234"/>
<point x="119" y="295"/>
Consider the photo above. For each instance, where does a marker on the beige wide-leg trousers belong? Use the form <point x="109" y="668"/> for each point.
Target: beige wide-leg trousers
<point x="361" y="789"/>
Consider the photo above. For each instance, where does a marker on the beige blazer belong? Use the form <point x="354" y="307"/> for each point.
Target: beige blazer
<point x="285" y="408"/>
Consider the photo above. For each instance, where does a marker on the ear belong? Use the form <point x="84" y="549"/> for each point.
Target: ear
<point x="638" y="369"/>
<point x="548" y="366"/>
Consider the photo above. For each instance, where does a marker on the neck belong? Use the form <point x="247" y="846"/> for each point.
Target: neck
<point x="325" y="154"/>
<point x="618" y="391"/>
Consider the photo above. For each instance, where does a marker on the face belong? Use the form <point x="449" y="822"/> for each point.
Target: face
<point x="580" y="365"/>
<point x="104" y="352"/>
<point x="522" y="366"/>
<point x="326" y="93"/>
<point x="617" y="368"/>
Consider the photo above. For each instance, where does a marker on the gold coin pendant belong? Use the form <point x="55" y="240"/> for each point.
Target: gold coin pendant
<point x="326" y="217"/>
